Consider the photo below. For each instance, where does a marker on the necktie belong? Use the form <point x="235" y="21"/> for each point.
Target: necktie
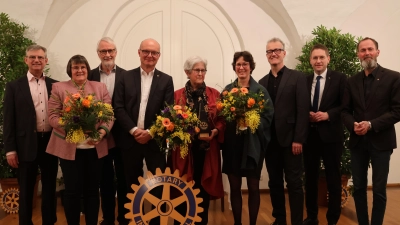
<point x="316" y="96"/>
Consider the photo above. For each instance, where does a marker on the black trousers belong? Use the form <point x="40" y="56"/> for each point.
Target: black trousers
<point x="113" y="168"/>
<point x="331" y="153"/>
<point x="281" y="163"/>
<point x="27" y="172"/>
<point x="82" y="178"/>
<point x="133" y="165"/>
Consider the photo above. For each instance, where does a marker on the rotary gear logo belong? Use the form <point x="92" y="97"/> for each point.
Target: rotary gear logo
<point x="9" y="200"/>
<point x="168" y="181"/>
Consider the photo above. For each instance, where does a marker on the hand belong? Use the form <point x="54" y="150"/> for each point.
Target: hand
<point x="141" y="136"/>
<point x="102" y="133"/>
<point x="312" y="117"/>
<point x="214" y="133"/>
<point x="12" y="160"/>
<point x="321" y="116"/>
<point x="361" y="128"/>
<point x="297" y="148"/>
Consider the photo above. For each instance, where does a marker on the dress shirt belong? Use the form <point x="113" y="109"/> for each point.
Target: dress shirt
<point x="367" y="83"/>
<point x="145" y="81"/>
<point x="108" y="80"/>
<point x="273" y="83"/>
<point x="39" y="95"/>
<point x="322" y="81"/>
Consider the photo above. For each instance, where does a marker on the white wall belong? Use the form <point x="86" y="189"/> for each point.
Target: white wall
<point x="74" y="27"/>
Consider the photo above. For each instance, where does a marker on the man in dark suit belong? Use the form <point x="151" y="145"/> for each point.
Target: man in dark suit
<point x="26" y="134"/>
<point x="371" y="107"/>
<point x="139" y="97"/>
<point x="110" y="74"/>
<point x="288" y="91"/>
<point x="325" y="137"/>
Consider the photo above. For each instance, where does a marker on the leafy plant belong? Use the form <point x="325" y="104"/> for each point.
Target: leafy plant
<point x="13" y="44"/>
<point x="342" y="50"/>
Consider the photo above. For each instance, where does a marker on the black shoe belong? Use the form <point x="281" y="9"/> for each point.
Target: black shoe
<point x="278" y="223"/>
<point x="309" y="221"/>
<point x="105" y="222"/>
<point x="331" y="223"/>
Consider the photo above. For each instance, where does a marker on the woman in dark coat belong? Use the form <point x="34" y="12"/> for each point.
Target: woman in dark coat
<point x="243" y="154"/>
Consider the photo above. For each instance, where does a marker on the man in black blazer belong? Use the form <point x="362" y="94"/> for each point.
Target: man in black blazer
<point x="110" y="74"/>
<point x="288" y="91"/>
<point x="139" y="97"/>
<point x="371" y="107"/>
<point x="26" y="134"/>
<point x="325" y="137"/>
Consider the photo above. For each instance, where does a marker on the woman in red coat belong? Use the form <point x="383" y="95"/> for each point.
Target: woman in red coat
<point x="203" y="162"/>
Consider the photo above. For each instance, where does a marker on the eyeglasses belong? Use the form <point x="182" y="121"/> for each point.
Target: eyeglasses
<point x="200" y="70"/>
<point x="76" y="68"/>
<point x="147" y="52"/>
<point x="105" y="51"/>
<point x="277" y="51"/>
<point x="244" y="65"/>
<point x="33" y="57"/>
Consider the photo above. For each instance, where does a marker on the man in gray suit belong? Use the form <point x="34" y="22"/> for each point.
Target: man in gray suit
<point x="288" y="91"/>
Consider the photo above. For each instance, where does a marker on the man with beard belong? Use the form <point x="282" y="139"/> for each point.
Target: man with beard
<point x="371" y="107"/>
<point x="110" y="74"/>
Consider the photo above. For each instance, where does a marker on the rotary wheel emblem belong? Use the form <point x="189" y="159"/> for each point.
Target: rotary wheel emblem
<point x="164" y="207"/>
<point x="9" y="200"/>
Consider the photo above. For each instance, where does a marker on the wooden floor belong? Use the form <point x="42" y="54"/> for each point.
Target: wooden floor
<point x="217" y="217"/>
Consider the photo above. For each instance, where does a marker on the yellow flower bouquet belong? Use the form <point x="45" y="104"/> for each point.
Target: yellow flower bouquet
<point x="80" y="114"/>
<point x="175" y="127"/>
<point x="243" y="106"/>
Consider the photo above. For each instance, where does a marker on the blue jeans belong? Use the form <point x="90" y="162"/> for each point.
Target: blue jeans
<point x="360" y="158"/>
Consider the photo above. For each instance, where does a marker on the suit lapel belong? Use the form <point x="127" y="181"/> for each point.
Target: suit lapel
<point x="26" y="92"/>
<point x="309" y="85"/>
<point x="328" y="82"/>
<point x="48" y="86"/>
<point x="360" y="87"/>
<point x="282" y="84"/>
<point x="137" y="80"/>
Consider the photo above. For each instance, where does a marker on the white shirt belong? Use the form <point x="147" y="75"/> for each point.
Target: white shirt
<point x="321" y="86"/>
<point x="39" y="98"/>
<point x="145" y="81"/>
<point x="108" y="80"/>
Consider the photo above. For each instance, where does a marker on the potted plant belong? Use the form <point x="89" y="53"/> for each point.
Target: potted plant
<point x="342" y="49"/>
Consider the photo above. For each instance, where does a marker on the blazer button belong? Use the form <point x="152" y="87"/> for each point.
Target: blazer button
<point x="34" y="131"/>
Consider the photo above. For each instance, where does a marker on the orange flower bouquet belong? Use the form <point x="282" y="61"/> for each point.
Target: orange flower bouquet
<point x="80" y="114"/>
<point x="175" y="126"/>
<point x="243" y="106"/>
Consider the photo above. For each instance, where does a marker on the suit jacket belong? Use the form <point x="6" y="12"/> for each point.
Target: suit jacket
<point x="94" y="75"/>
<point x="382" y="109"/>
<point x="57" y="145"/>
<point x="331" y="102"/>
<point x="20" y="118"/>
<point x="291" y="107"/>
<point x="127" y="97"/>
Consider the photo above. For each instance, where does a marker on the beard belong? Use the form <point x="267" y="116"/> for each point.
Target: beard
<point x="108" y="64"/>
<point x="369" y="64"/>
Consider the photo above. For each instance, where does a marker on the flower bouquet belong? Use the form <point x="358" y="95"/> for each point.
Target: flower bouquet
<point x="243" y="106"/>
<point x="175" y="127"/>
<point x="80" y="114"/>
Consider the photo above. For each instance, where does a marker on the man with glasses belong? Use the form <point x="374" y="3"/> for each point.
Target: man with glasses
<point x="139" y="97"/>
<point x="283" y="158"/>
<point x="26" y="135"/>
<point x="371" y="108"/>
<point x="110" y="74"/>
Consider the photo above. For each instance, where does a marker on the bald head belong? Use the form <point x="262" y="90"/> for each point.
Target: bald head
<point x="149" y="41"/>
<point x="149" y="53"/>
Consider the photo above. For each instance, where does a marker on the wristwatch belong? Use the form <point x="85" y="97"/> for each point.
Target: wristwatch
<point x="370" y="125"/>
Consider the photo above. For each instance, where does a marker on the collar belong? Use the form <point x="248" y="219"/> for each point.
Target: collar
<point x="374" y="72"/>
<point x="323" y="74"/>
<point x="280" y="72"/>
<point x="142" y="72"/>
<point x="31" y="77"/>
<point x="113" y="70"/>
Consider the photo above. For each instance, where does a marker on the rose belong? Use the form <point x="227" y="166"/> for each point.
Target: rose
<point x="76" y="95"/>
<point x="251" y="102"/>
<point x="233" y="109"/>
<point x="166" y="122"/>
<point x="234" y="90"/>
<point x="170" y="127"/>
<point x="244" y="90"/>
<point x="177" y="107"/>
<point x="86" y="103"/>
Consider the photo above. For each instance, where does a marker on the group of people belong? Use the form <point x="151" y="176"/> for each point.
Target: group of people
<point x="303" y="121"/>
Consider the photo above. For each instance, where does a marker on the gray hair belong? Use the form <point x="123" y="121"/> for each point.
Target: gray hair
<point x="108" y="40"/>
<point x="35" y="48"/>
<point x="193" y="60"/>
<point x="275" y="39"/>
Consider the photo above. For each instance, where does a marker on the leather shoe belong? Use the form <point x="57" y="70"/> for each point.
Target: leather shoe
<point x="329" y="223"/>
<point x="278" y="223"/>
<point x="105" y="222"/>
<point x="309" y="221"/>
